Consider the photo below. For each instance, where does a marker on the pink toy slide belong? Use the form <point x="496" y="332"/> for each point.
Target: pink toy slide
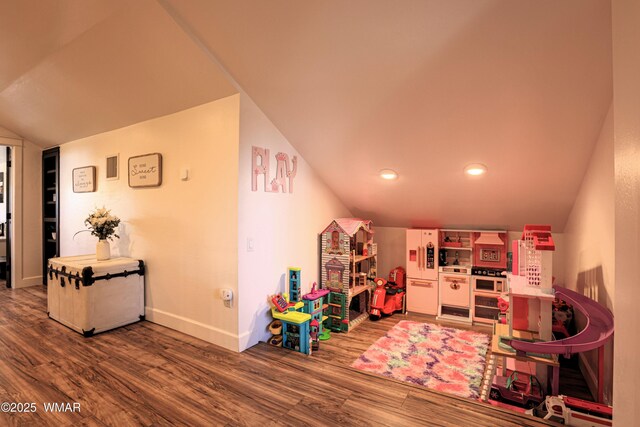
<point x="596" y="333"/>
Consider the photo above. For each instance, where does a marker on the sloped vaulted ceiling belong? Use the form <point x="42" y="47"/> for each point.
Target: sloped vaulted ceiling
<point x="70" y="68"/>
<point x="421" y="86"/>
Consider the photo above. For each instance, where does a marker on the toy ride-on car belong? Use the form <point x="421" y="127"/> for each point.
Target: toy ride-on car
<point x="518" y="388"/>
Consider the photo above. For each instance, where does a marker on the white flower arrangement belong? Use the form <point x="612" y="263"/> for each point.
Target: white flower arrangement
<point x="102" y="224"/>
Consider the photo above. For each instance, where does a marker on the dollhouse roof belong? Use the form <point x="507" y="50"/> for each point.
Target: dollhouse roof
<point x="351" y="225"/>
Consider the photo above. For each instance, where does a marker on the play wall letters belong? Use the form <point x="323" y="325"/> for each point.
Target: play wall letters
<point x="283" y="173"/>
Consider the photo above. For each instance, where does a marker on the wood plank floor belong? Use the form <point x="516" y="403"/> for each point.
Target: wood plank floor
<point x="145" y="374"/>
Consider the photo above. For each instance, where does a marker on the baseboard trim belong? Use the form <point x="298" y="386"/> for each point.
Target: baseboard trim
<point x="246" y="340"/>
<point x="194" y="328"/>
<point x="28" y="282"/>
<point x="588" y="373"/>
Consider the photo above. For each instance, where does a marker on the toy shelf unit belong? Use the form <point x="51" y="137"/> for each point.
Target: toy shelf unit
<point x="294" y="336"/>
<point x="455" y="256"/>
<point x="298" y="323"/>
<point x="315" y="305"/>
<point x="488" y="275"/>
<point x="422" y="271"/>
<point x="294" y="273"/>
<point x="349" y="265"/>
<point x="456" y="239"/>
<point x="295" y="327"/>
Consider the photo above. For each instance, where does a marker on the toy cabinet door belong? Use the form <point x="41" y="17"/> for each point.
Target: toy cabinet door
<point x="415" y="256"/>
<point x="422" y="296"/>
<point x="455" y="290"/>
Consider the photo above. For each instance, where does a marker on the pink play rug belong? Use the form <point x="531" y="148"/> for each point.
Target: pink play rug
<point x="444" y="359"/>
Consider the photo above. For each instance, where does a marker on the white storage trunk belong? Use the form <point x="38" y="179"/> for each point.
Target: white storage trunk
<point x="91" y="296"/>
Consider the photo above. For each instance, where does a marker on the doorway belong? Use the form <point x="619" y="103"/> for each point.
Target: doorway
<point x="5" y="216"/>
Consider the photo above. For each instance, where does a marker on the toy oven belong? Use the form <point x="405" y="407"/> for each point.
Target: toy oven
<point x="489" y="284"/>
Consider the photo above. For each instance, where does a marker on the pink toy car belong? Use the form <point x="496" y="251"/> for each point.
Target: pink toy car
<point x="519" y="388"/>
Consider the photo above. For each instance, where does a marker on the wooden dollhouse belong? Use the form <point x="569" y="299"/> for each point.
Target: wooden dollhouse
<point x="349" y="259"/>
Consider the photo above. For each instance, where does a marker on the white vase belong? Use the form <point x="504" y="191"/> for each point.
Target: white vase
<point x="103" y="250"/>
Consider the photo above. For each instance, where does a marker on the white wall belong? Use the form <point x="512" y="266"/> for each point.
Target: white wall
<point x="590" y="245"/>
<point x="185" y="231"/>
<point x="392" y="244"/>
<point x="590" y="228"/>
<point x="284" y="227"/>
<point x="26" y="199"/>
<point x="626" y="122"/>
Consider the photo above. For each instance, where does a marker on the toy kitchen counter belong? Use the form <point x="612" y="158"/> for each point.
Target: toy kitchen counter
<point x="91" y="296"/>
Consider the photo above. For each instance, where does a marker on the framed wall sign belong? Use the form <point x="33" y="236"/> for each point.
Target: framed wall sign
<point x="84" y="179"/>
<point x="145" y="170"/>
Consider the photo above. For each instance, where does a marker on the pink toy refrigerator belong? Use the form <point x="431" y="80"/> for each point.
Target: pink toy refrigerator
<point x="422" y="271"/>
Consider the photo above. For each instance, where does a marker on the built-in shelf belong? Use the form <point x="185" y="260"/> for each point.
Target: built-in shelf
<point x="50" y="207"/>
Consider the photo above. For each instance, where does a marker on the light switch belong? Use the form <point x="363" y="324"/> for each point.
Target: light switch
<point x="249" y="244"/>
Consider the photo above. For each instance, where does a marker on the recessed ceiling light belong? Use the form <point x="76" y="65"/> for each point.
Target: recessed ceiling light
<point x="475" y="169"/>
<point x="388" y="174"/>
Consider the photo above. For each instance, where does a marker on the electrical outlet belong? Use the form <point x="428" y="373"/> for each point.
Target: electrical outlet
<point x="226" y="294"/>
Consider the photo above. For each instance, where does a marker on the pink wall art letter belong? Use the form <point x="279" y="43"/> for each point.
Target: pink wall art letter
<point x="286" y="171"/>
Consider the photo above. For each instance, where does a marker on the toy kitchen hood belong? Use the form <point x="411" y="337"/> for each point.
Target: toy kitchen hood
<point x="489" y="238"/>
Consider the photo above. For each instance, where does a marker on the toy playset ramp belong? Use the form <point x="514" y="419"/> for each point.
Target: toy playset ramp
<point x="596" y="333"/>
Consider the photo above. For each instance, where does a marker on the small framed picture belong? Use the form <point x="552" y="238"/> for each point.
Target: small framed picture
<point x="145" y="170"/>
<point x="112" y="163"/>
<point x="84" y="179"/>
